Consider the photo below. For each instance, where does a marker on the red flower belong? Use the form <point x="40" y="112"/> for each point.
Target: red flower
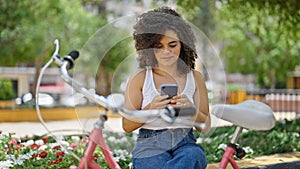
<point x="12" y="142"/>
<point x="96" y="156"/>
<point x="43" y="154"/>
<point x="56" y="147"/>
<point x="45" y="139"/>
<point x="60" y="154"/>
<point x="35" y="146"/>
<point x="19" y="146"/>
<point x="57" y="161"/>
<point x="33" y="156"/>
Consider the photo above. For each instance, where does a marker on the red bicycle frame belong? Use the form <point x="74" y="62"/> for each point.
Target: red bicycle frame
<point x="96" y="138"/>
<point x="231" y="150"/>
<point x="228" y="158"/>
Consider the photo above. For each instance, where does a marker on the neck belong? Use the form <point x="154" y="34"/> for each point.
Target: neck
<point x="171" y="70"/>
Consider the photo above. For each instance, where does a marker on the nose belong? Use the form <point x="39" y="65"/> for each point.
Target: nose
<point x="166" y="50"/>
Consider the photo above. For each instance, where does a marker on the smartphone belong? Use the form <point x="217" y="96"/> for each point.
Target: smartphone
<point x="169" y="89"/>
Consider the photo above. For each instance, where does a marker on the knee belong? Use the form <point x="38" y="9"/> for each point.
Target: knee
<point x="196" y="154"/>
<point x="194" y="157"/>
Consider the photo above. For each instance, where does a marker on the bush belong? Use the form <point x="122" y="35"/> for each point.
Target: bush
<point x="283" y="138"/>
<point x="7" y="92"/>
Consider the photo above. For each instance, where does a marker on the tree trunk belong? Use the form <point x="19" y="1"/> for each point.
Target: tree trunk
<point x="103" y="82"/>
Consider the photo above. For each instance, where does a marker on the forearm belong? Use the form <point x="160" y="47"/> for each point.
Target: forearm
<point x="129" y="126"/>
<point x="203" y="118"/>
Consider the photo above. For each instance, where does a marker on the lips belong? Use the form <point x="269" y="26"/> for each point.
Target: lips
<point x="167" y="57"/>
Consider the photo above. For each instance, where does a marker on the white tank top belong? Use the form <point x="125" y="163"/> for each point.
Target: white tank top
<point x="150" y="91"/>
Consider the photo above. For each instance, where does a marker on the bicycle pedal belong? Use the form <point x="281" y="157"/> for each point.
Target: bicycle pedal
<point x="240" y="153"/>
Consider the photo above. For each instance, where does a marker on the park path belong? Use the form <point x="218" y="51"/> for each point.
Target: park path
<point x="23" y="129"/>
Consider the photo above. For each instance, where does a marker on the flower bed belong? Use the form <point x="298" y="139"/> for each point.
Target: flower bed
<point x="47" y="152"/>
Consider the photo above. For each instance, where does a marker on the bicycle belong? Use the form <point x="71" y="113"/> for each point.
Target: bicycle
<point x="113" y="102"/>
<point x="250" y="114"/>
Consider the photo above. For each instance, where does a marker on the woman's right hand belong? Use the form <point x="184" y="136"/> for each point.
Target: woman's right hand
<point x="158" y="102"/>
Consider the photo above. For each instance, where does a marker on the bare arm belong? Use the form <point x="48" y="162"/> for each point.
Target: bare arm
<point x="201" y="103"/>
<point x="133" y="99"/>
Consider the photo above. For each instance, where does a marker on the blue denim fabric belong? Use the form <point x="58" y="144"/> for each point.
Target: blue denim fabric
<point x="168" y="149"/>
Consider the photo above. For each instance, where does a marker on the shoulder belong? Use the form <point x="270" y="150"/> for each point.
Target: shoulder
<point x="139" y="74"/>
<point x="138" y="77"/>
<point x="198" y="76"/>
<point x="199" y="82"/>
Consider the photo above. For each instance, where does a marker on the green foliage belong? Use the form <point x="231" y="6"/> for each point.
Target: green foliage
<point x="257" y="42"/>
<point x="287" y="12"/>
<point x="117" y="53"/>
<point x="257" y="37"/>
<point x="283" y="138"/>
<point x="108" y="54"/>
<point x="118" y="62"/>
<point x="28" y="28"/>
<point x="6" y="90"/>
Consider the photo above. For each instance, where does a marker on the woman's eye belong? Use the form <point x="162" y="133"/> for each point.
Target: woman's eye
<point x="173" y="45"/>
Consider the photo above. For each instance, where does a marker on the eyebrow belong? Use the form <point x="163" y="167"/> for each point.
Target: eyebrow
<point x="174" y="41"/>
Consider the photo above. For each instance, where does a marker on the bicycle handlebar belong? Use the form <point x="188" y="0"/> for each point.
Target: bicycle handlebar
<point x="168" y="114"/>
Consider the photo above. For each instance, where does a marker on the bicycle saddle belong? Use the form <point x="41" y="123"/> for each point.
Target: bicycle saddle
<point x="249" y="114"/>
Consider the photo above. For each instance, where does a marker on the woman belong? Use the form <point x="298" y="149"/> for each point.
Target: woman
<point x="166" y="53"/>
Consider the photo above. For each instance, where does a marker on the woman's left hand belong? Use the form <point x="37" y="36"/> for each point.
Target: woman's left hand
<point x="181" y="101"/>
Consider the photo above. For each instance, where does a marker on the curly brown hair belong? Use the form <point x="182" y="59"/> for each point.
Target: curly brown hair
<point x="149" y="29"/>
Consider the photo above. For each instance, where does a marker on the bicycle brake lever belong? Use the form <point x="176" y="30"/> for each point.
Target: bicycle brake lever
<point x="168" y="114"/>
<point x="56" y="42"/>
<point x="57" y="59"/>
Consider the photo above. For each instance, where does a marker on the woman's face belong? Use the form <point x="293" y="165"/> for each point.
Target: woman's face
<point x="167" y="51"/>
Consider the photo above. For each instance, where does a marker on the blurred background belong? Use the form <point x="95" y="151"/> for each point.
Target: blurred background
<point x="248" y="50"/>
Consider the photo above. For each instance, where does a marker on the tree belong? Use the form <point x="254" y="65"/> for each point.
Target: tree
<point x="28" y="29"/>
<point x="112" y="65"/>
<point x="28" y="32"/>
<point x="259" y="37"/>
<point x="258" y="42"/>
<point x="108" y="54"/>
